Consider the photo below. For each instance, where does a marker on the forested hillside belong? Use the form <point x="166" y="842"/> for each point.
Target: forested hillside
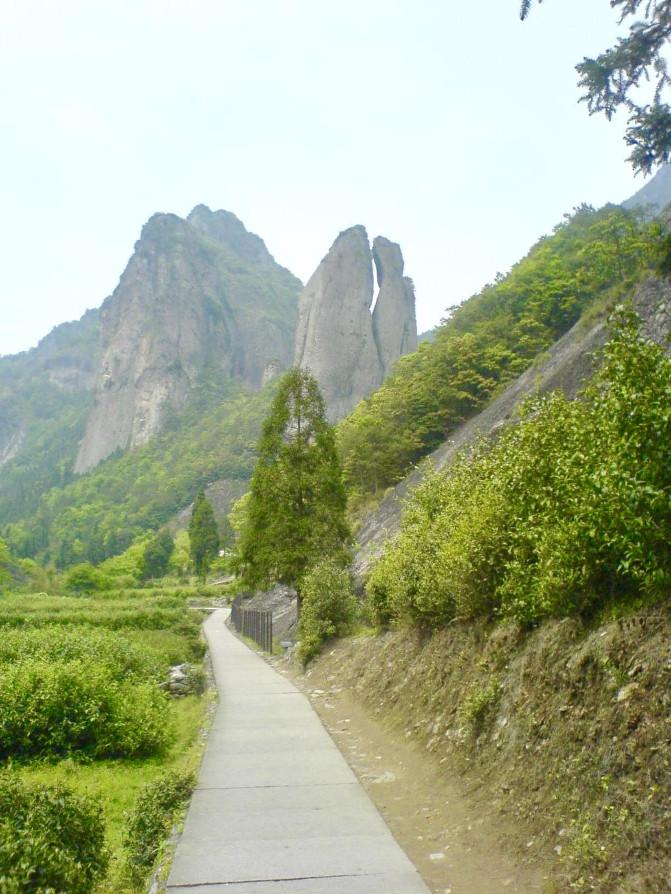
<point x="592" y="256"/>
<point x="45" y="396"/>
<point x="99" y="514"/>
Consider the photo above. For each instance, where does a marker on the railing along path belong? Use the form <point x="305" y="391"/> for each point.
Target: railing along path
<point x="251" y="622"/>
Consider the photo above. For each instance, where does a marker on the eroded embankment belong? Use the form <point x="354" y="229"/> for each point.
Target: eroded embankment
<point x="563" y="731"/>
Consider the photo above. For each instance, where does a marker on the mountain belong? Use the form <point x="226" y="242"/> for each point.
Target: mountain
<point x="349" y="347"/>
<point x="201" y="300"/>
<point x="655" y="194"/>
<point x="109" y="427"/>
<point x="45" y="394"/>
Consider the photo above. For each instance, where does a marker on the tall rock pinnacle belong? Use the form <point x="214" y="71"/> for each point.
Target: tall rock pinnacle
<point x="394" y="324"/>
<point x="348" y="348"/>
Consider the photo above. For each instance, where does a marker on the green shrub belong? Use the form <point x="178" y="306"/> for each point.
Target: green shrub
<point x="328" y="607"/>
<point x="123" y="659"/>
<point x="152" y="819"/>
<point x="84" y="578"/>
<point x="51" y="840"/>
<point x="61" y="707"/>
<point x="480" y="703"/>
<point x="568" y="510"/>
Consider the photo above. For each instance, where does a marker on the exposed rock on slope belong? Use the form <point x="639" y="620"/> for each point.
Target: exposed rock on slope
<point x="200" y="298"/>
<point x="567" y="366"/>
<point x="44" y="382"/>
<point x="656" y="193"/>
<point x="349" y="349"/>
<point x="394" y="324"/>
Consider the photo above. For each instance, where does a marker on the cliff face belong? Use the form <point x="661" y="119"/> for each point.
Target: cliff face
<point x="394" y="323"/>
<point x="348" y="348"/>
<point x="200" y="297"/>
<point x="44" y="382"/>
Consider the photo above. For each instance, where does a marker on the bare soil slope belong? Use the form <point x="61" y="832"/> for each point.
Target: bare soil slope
<point x="557" y="741"/>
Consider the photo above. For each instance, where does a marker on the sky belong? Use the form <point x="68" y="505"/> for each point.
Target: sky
<point x="449" y="127"/>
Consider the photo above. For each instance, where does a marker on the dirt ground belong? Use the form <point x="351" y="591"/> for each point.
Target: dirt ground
<point x="453" y="836"/>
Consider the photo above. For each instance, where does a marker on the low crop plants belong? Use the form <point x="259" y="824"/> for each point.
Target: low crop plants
<point x="52" y="841"/>
<point x="67" y="707"/>
<point x="152" y="818"/>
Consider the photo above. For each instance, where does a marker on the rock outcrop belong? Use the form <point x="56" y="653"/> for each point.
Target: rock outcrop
<point x="349" y="348"/>
<point x="653" y="195"/>
<point x="51" y="383"/>
<point x="394" y="324"/>
<point x="200" y="299"/>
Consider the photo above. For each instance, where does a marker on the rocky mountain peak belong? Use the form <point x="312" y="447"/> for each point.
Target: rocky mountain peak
<point x="349" y="348"/>
<point x="225" y="227"/>
<point x="199" y="297"/>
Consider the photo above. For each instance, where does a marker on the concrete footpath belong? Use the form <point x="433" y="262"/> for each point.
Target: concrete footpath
<point x="277" y="809"/>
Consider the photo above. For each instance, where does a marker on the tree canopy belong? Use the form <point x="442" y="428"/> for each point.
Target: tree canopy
<point x="203" y="535"/>
<point x="612" y="79"/>
<point x="156" y="556"/>
<point x="295" y="514"/>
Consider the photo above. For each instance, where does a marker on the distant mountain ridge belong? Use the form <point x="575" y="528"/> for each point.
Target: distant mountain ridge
<point x="655" y="194"/>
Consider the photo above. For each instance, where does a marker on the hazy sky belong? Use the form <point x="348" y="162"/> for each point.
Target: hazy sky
<point x="447" y="125"/>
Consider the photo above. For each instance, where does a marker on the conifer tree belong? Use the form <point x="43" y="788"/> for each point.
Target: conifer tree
<point x="203" y="535"/>
<point x="156" y="556"/>
<point x="612" y="79"/>
<point x="296" y="508"/>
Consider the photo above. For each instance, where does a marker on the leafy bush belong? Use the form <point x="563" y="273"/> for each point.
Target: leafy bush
<point x="480" y="703"/>
<point x="51" y="840"/>
<point x="152" y="819"/>
<point x="84" y="578"/>
<point x="49" y="707"/>
<point x="328" y="607"/>
<point x="569" y="509"/>
<point x="123" y="659"/>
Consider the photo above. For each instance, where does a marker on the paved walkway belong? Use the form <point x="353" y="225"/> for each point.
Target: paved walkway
<point x="277" y="809"/>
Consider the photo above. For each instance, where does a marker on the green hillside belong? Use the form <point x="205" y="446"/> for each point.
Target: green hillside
<point x="99" y="514"/>
<point x="45" y="395"/>
<point x="489" y="340"/>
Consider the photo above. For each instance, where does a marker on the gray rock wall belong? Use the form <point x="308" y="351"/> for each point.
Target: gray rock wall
<point x="349" y="348"/>
<point x="198" y="297"/>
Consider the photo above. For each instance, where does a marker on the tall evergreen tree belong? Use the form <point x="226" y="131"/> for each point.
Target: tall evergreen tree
<point x="296" y="508"/>
<point x="203" y="535"/>
<point x="156" y="556"/>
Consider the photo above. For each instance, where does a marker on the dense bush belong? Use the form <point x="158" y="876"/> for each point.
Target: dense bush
<point x="328" y="607"/>
<point x="51" y="840"/>
<point x="569" y="509"/>
<point x="59" y="707"/>
<point x="84" y="578"/>
<point x="123" y="659"/>
<point x="152" y="819"/>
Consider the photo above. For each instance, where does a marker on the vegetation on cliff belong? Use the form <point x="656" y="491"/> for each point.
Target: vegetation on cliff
<point x="489" y="340"/>
<point x="100" y="514"/>
<point x="567" y="510"/>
